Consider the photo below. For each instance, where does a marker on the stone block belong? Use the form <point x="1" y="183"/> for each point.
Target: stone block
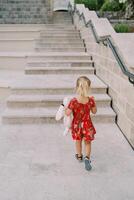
<point x="125" y="124"/>
<point x="132" y="135"/>
<point x="121" y="103"/>
<point x="113" y="94"/>
<point x="130" y="111"/>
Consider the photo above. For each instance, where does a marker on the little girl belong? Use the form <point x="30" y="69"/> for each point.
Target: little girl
<point x="82" y="127"/>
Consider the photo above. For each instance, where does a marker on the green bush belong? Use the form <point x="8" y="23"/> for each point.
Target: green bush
<point x="111" y="6"/>
<point x="100" y="3"/>
<point x="91" y="4"/>
<point x="122" y="28"/>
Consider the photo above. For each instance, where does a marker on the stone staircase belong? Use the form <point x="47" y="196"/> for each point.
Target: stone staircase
<point x="59" y="59"/>
<point x="25" y="12"/>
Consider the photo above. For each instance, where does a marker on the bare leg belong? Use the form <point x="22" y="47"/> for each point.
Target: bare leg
<point x="88" y="148"/>
<point x="87" y="161"/>
<point x="79" y="147"/>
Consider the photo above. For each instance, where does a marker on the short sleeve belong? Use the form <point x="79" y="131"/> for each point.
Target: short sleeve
<point x="92" y="102"/>
<point x="71" y="104"/>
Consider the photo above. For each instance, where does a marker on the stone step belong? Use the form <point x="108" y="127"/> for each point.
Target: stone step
<point x="58" y="56"/>
<point x="63" y="21"/>
<point x="47" y="115"/>
<point x="56" y="44"/>
<point x="57" y="31"/>
<point x="34" y="101"/>
<point x="60" y="49"/>
<point x="58" y="26"/>
<point x="59" y="70"/>
<point x="54" y="84"/>
<point x="51" y="90"/>
<point x="60" y="34"/>
<point x="61" y="63"/>
<point x="59" y="40"/>
<point x="38" y="27"/>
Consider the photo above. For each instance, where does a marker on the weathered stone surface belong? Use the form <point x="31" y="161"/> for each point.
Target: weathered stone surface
<point x="107" y="68"/>
<point x="60" y="5"/>
<point x="25" y="12"/>
<point x="37" y="162"/>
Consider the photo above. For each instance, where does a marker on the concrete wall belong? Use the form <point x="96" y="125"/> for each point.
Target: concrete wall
<point x="120" y="89"/>
<point x="60" y="5"/>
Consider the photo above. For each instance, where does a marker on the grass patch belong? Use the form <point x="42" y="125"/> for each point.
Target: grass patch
<point x="123" y="28"/>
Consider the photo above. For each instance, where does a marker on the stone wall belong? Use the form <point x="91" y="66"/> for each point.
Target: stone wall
<point x="111" y="14"/>
<point x="120" y="89"/>
<point x="124" y="21"/>
<point x="25" y="11"/>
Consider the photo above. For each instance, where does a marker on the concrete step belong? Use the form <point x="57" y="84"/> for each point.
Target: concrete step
<point x="57" y="44"/>
<point x="59" y="31"/>
<point x="61" y="63"/>
<point x="54" y="84"/>
<point x="57" y="28"/>
<point x="53" y="27"/>
<point x="58" y="56"/>
<point x="60" y="34"/>
<point x="59" y="40"/>
<point x="67" y="21"/>
<point x="59" y="70"/>
<point x="34" y="101"/>
<point x="60" y="49"/>
<point x="47" y="115"/>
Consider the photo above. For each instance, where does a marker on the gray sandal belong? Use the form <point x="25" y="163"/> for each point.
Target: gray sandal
<point x="88" y="166"/>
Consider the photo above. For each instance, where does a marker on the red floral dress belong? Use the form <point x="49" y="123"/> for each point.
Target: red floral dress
<point x="82" y="127"/>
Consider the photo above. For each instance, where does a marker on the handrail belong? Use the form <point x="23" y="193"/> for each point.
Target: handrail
<point x="104" y="39"/>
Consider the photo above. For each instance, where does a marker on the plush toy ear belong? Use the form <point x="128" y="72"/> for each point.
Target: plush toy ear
<point x="60" y="113"/>
<point x="66" y="100"/>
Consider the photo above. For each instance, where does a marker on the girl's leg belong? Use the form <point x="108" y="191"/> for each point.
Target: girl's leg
<point x="79" y="147"/>
<point x="87" y="161"/>
<point x="88" y="148"/>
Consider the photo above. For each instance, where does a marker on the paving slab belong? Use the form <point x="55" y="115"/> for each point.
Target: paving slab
<point x="38" y="163"/>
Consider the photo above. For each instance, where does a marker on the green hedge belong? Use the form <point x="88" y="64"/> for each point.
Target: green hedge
<point x="91" y="4"/>
<point x="122" y="28"/>
<point x="102" y="5"/>
<point x="111" y="5"/>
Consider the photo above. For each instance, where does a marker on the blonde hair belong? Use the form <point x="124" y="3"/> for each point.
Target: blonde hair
<point x="83" y="86"/>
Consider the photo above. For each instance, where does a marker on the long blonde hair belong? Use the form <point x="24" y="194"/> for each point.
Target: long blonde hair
<point x="83" y="86"/>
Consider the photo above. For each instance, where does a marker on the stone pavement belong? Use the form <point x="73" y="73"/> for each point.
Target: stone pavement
<point x="37" y="162"/>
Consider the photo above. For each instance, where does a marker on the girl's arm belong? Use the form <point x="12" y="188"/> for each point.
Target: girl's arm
<point x="68" y="111"/>
<point x="94" y="107"/>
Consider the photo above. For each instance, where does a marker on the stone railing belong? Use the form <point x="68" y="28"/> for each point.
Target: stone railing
<point x="99" y="35"/>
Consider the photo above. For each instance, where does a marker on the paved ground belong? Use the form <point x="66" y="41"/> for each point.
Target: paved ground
<point x="37" y="163"/>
